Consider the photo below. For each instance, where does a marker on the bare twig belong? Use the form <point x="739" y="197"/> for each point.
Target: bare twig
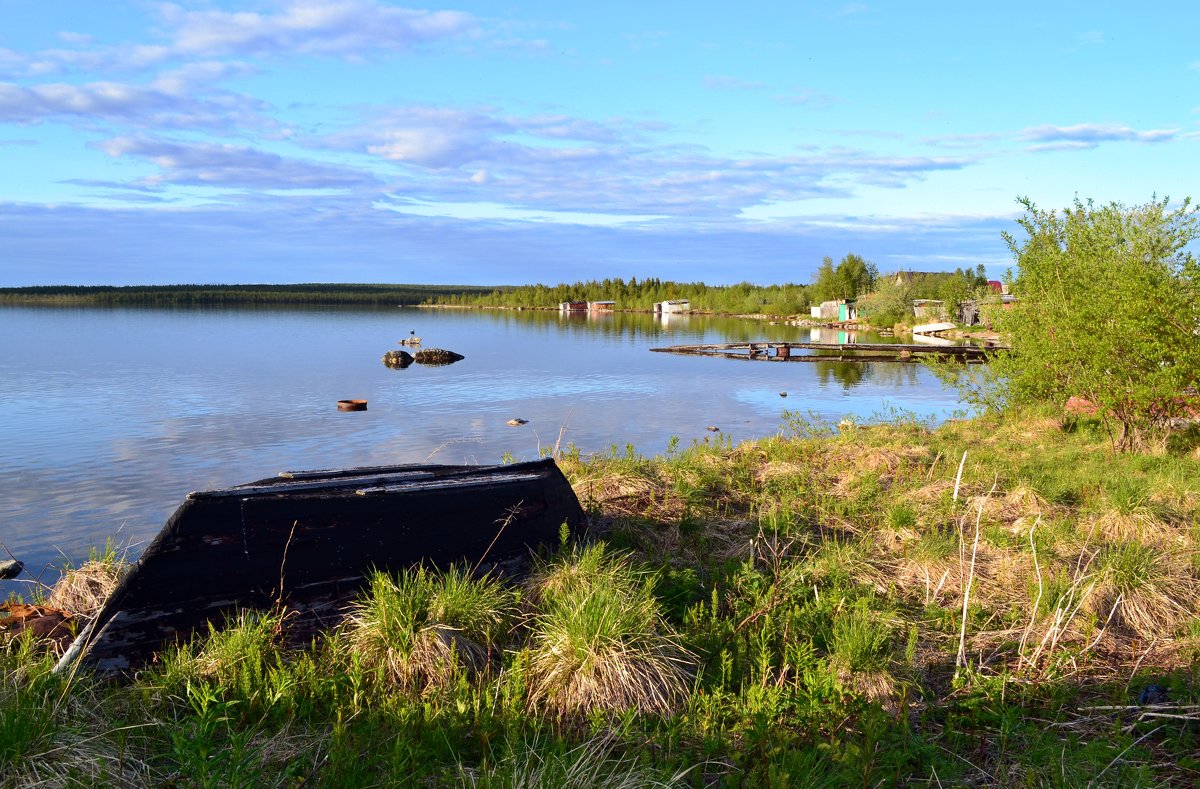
<point x="962" y="636"/>
<point x="1033" y="613"/>
<point x="958" y="476"/>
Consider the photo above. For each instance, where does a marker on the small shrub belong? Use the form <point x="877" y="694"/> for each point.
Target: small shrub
<point x="599" y="642"/>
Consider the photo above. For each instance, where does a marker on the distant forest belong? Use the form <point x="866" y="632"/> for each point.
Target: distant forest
<point x="852" y="278"/>
<point x="635" y="294"/>
<point x="190" y="295"/>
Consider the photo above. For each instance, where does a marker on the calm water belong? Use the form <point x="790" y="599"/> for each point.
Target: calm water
<point x="108" y="417"/>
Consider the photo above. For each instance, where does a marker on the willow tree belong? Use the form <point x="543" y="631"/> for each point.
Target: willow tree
<point x="1108" y="311"/>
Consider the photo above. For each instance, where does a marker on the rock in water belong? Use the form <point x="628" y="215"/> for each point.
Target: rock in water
<point x="437" y="356"/>
<point x="10" y="568"/>
<point x="398" y="359"/>
<point x="517" y="421"/>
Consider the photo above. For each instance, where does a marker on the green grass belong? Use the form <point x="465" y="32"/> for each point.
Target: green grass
<point x="786" y="612"/>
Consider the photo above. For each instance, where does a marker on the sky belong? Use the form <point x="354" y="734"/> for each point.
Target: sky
<point x="521" y="141"/>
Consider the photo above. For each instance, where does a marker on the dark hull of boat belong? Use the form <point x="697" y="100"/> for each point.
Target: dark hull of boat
<point x="306" y="541"/>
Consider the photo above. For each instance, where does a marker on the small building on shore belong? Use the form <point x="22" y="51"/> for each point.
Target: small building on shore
<point x="968" y="313"/>
<point x="929" y="308"/>
<point x="837" y="310"/>
<point x="601" y="306"/>
<point x="572" y="306"/>
<point x="672" y="306"/>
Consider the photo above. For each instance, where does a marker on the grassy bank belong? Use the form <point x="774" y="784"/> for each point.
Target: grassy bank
<point x="831" y="607"/>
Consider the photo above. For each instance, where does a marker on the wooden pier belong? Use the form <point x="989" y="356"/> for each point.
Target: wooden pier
<point x="831" y="351"/>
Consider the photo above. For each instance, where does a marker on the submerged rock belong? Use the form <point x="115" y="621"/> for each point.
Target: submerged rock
<point x="397" y="359"/>
<point x="437" y="356"/>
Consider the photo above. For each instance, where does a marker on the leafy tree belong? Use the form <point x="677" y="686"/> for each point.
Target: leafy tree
<point x="853" y="277"/>
<point x="826" y="286"/>
<point x="1109" y="310"/>
<point x="856" y="276"/>
<point x="890" y="304"/>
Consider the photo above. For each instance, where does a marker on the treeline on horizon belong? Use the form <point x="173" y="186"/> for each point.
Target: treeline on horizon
<point x="190" y="295"/>
<point x="635" y="294"/>
<point x="852" y="278"/>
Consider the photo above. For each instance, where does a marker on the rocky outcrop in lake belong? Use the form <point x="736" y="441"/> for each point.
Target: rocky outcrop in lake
<point x="397" y="359"/>
<point x="437" y="356"/>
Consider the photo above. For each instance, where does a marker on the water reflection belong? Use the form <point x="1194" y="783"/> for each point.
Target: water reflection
<point x="848" y="375"/>
<point x="109" y="416"/>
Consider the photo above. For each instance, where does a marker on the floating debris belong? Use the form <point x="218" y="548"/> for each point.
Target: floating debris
<point x="397" y="360"/>
<point x="352" y="405"/>
<point x="437" y="356"/>
<point x="517" y="422"/>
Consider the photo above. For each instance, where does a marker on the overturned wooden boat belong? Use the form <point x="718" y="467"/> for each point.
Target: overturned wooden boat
<point x="307" y="541"/>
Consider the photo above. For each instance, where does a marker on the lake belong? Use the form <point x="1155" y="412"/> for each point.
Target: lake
<point x="109" y="416"/>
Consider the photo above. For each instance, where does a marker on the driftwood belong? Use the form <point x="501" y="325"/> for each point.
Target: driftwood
<point x="306" y="541"/>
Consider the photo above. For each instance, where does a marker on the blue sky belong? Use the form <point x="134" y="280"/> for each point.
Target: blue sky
<point x="511" y="142"/>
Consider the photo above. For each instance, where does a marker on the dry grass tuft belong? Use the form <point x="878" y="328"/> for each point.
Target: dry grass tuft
<point x="1149" y="592"/>
<point x="877" y="686"/>
<point x="599" y="642"/>
<point x="83" y="590"/>
<point x="1008" y="508"/>
<point x="1143" y="527"/>
<point x="777" y="470"/>
<point x="630" y="495"/>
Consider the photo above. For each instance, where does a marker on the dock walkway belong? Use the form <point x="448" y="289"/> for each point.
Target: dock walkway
<point x="825" y="351"/>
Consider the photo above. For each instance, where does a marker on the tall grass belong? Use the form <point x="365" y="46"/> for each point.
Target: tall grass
<point x="598" y="641"/>
<point x="786" y="612"/>
<point x="424" y="629"/>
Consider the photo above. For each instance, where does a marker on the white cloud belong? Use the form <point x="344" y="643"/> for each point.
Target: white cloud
<point x="174" y="100"/>
<point x="1090" y="135"/>
<point x="339" y="27"/>
<point x="557" y="163"/>
<point x="211" y="164"/>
